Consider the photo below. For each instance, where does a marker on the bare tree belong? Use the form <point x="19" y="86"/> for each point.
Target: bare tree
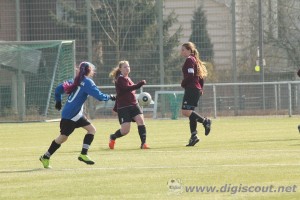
<point x="281" y="21"/>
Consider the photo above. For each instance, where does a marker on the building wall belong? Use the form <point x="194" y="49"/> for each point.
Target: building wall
<point x="218" y="25"/>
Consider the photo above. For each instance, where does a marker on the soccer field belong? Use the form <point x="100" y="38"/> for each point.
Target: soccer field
<point x="242" y="158"/>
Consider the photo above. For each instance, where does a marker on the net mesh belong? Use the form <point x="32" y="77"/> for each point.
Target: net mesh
<point x="30" y="72"/>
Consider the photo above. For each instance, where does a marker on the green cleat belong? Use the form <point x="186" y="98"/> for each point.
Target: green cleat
<point x="86" y="159"/>
<point x="45" y="162"/>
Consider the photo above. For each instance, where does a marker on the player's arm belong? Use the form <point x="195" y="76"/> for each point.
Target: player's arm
<point x="115" y="109"/>
<point x="92" y="90"/>
<point x="201" y="82"/>
<point x="188" y="72"/>
<point x="122" y="83"/>
<point x="59" y="91"/>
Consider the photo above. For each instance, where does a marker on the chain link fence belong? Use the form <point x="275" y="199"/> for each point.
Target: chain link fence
<point x="240" y="41"/>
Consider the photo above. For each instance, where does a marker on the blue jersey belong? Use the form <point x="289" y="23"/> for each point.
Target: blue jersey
<point x="73" y="108"/>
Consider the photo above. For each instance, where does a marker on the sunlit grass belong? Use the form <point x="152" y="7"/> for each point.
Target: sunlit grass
<point x="245" y="151"/>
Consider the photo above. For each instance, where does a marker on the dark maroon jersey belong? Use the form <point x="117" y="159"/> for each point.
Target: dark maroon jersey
<point x="189" y="70"/>
<point x="125" y="89"/>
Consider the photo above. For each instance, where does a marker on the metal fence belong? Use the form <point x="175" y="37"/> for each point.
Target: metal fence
<point x="240" y="41"/>
<point x="219" y="99"/>
<point x="149" y="33"/>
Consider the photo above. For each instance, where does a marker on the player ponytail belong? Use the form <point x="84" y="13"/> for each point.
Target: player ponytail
<point x="115" y="73"/>
<point x="201" y="69"/>
<point x="84" y="69"/>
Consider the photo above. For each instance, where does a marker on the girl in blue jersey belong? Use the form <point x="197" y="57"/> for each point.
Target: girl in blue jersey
<point x="194" y="73"/>
<point x="72" y="114"/>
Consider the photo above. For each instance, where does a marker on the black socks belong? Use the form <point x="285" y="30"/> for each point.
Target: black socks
<point x="194" y="118"/>
<point x="117" y="134"/>
<point x="142" y="133"/>
<point x="197" y="117"/>
<point x="87" y="141"/>
<point x="53" y="147"/>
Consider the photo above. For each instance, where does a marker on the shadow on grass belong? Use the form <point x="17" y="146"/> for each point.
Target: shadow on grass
<point x="279" y="140"/>
<point x="21" y="171"/>
<point x="133" y="149"/>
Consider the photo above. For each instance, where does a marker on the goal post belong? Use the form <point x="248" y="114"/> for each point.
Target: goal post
<point x="167" y="104"/>
<point x="29" y="73"/>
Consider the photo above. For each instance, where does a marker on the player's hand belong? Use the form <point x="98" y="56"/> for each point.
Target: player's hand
<point x="143" y="82"/>
<point x="201" y="92"/>
<point x="112" y="97"/>
<point x="58" y="105"/>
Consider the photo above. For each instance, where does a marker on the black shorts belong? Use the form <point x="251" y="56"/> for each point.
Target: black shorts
<point x="127" y="114"/>
<point x="190" y="98"/>
<point x="67" y="126"/>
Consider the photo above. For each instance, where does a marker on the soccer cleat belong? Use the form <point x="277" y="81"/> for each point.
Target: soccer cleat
<point x="111" y="143"/>
<point x="193" y="140"/>
<point x="145" y="146"/>
<point x="207" y="126"/>
<point x="86" y="159"/>
<point x="45" y="162"/>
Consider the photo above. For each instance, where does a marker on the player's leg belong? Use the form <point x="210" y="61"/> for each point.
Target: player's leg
<point x="125" y="122"/>
<point x="142" y="130"/>
<point x="137" y="116"/>
<point x="66" y="128"/>
<point x="124" y="130"/>
<point x="189" y="102"/>
<point x="87" y="141"/>
<point x="193" y="128"/>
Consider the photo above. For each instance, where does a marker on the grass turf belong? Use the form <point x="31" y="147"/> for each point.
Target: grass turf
<point x="242" y="152"/>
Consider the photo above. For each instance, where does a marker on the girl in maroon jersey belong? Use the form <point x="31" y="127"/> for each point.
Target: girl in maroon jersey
<point x="126" y="105"/>
<point x="194" y="73"/>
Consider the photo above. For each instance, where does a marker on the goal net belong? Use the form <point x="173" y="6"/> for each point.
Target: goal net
<point x="167" y="104"/>
<point x="29" y="73"/>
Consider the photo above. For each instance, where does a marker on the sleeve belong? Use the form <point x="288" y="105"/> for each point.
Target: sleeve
<point x="188" y="72"/>
<point x="122" y="84"/>
<point x="59" y="91"/>
<point x="92" y="90"/>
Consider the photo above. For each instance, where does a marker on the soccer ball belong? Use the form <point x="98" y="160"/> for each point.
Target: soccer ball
<point x="144" y="99"/>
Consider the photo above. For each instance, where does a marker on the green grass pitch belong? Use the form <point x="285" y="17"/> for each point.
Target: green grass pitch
<point x="239" y="153"/>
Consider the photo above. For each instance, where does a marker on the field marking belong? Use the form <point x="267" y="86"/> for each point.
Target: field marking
<point x="147" y="167"/>
<point x="153" y="150"/>
<point x="179" y="167"/>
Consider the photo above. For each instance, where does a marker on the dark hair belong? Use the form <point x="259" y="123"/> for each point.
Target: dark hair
<point x="84" y="69"/>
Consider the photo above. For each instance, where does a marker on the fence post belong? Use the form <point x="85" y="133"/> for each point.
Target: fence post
<point x="215" y="101"/>
<point x="290" y="99"/>
<point x="276" y="97"/>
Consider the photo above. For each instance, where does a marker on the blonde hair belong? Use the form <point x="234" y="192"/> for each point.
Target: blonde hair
<point x="201" y="69"/>
<point x="115" y="73"/>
